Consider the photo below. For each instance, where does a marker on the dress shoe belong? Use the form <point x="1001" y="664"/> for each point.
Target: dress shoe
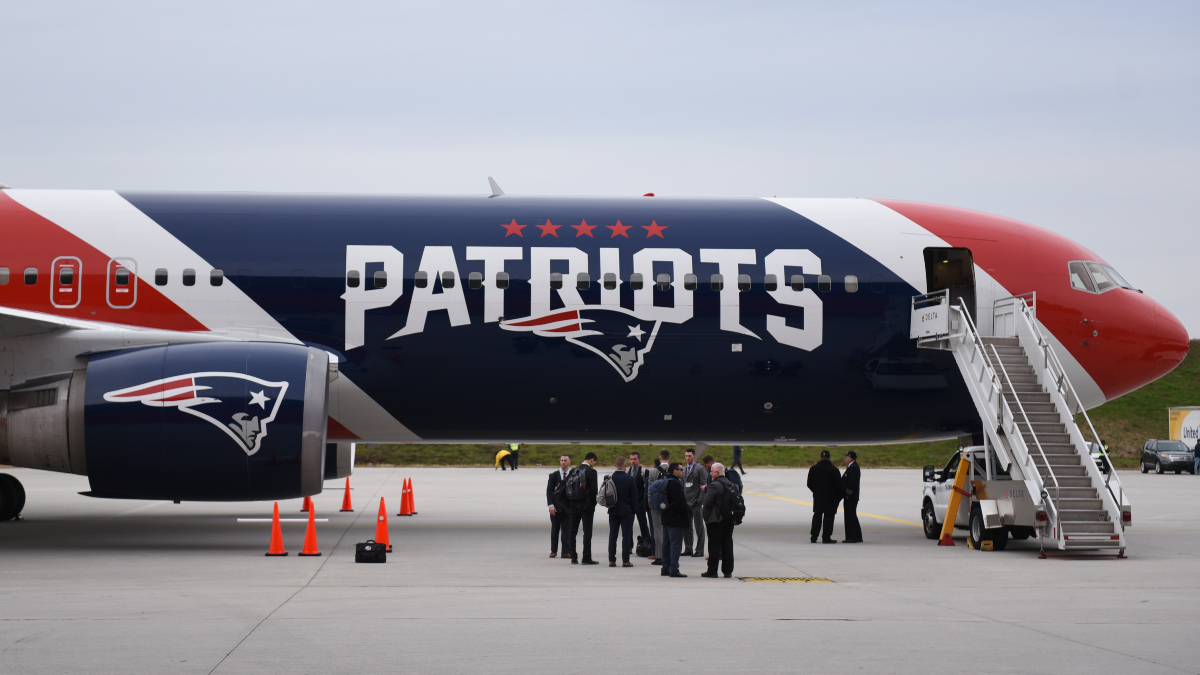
<point x="657" y="561"/>
<point x="709" y="575"/>
<point x="852" y="541"/>
<point x="687" y="552"/>
<point x="626" y="564"/>
<point x="664" y="573"/>
<point x="612" y="564"/>
<point x="728" y="576"/>
<point x="590" y="562"/>
<point x="553" y="554"/>
<point x="829" y="541"/>
<point x="574" y="561"/>
<point x="698" y="554"/>
<point x="812" y="540"/>
<point x="679" y="575"/>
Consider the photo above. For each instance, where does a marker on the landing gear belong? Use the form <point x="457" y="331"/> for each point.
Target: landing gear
<point x="12" y="497"/>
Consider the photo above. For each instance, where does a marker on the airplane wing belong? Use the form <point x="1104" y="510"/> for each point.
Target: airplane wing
<point x="20" y="323"/>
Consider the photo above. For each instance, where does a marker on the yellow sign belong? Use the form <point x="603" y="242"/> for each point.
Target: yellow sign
<point x="1185" y="424"/>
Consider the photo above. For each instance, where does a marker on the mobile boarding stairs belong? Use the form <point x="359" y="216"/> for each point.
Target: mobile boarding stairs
<point x="1029" y="411"/>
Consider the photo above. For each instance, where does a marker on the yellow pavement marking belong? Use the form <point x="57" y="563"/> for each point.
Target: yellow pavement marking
<point x="799" y="501"/>
<point x="787" y="580"/>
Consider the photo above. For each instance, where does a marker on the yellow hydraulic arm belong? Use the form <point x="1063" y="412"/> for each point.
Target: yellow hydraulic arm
<point x="960" y="482"/>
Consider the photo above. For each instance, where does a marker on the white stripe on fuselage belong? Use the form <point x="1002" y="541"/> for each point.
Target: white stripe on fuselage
<point x="105" y="220"/>
<point x="898" y="243"/>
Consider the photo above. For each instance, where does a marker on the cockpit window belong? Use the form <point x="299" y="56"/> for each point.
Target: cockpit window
<point x="1093" y="277"/>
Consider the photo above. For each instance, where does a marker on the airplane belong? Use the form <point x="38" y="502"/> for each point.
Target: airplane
<point x="233" y="346"/>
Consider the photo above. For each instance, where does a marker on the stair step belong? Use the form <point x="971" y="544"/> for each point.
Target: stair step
<point x="1051" y="449"/>
<point x="1063" y="471"/>
<point x="1002" y="341"/>
<point x="1019" y="378"/>
<point x="1028" y="398"/>
<point x="1078" y="504"/>
<point x="1098" y="543"/>
<point x="1055" y="460"/>
<point x="1069" y="527"/>
<point x="1089" y="515"/>
<point x="1047" y="440"/>
<point x="1042" y="417"/>
<point x="1068" y="492"/>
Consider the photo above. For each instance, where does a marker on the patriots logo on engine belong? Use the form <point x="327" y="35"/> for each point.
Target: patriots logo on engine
<point x="229" y="413"/>
<point x="615" y="334"/>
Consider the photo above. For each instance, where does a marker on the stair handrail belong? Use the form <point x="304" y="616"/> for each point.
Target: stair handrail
<point x="1032" y="432"/>
<point x="1063" y="385"/>
<point x="1002" y="406"/>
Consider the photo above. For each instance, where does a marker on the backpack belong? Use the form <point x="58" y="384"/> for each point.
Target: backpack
<point x="658" y="494"/>
<point x="733" y="505"/>
<point x="643" y="548"/>
<point x="607" y="496"/>
<point x="576" y="488"/>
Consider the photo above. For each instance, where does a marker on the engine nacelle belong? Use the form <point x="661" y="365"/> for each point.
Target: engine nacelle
<point x="213" y="421"/>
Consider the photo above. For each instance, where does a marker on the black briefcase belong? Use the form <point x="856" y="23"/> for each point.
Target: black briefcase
<point x="370" y="552"/>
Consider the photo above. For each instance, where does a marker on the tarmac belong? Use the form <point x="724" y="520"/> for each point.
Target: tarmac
<point x="106" y="586"/>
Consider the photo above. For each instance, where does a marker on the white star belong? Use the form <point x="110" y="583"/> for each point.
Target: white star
<point x="260" y="398"/>
<point x="636" y="332"/>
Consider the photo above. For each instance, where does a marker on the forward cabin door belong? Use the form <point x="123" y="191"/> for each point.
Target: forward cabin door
<point x="952" y="268"/>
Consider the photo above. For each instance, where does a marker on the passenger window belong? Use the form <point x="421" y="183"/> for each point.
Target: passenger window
<point x="556" y="280"/>
<point x="1100" y="277"/>
<point x="610" y="281"/>
<point x="635" y="281"/>
<point x="160" y="276"/>
<point x="475" y="280"/>
<point x="30" y="276"/>
<point x="216" y="277"/>
<point x="352" y="279"/>
<point x="66" y="275"/>
<point x="3" y="276"/>
<point x="379" y="278"/>
<point x="421" y="279"/>
<point x="122" y="276"/>
<point x="1080" y="279"/>
<point x="689" y="282"/>
<point x="664" y="282"/>
<point x="189" y="277"/>
<point x="824" y="283"/>
<point x="770" y="282"/>
<point x="797" y="282"/>
<point x="501" y="279"/>
<point x="447" y="279"/>
<point x="583" y="281"/>
<point x="716" y="282"/>
<point x="743" y="282"/>
<point x="851" y="283"/>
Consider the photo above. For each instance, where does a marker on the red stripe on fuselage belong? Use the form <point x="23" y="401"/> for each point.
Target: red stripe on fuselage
<point x="1136" y="341"/>
<point x="33" y="241"/>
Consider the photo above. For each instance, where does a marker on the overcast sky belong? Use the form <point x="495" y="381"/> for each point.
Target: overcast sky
<point x="1078" y="117"/>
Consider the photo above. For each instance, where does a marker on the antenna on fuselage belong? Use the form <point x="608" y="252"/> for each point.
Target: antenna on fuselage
<point x="496" y="191"/>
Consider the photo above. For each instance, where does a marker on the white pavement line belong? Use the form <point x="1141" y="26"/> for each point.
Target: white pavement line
<point x="282" y="520"/>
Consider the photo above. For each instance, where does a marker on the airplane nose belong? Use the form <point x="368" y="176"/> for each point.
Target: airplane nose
<point x="1172" y="339"/>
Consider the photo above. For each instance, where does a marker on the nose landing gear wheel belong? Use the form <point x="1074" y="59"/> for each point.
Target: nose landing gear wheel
<point x="12" y="497"/>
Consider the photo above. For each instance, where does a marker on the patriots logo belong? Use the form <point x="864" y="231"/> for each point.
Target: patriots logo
<point x="228" y="413"/>
<point x="614" y="334"/>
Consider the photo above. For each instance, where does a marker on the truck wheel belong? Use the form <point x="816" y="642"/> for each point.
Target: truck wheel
<point x="976" y="531"/>
<point x="1158" y="467"/>
<point x="1144" y="469"/>
<point x="999" y="539"/>
<point x="11" y="500"/>
<point x="929" y="521"/>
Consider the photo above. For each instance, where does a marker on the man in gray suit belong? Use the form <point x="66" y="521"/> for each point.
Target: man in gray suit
<point x="695" y="479"/>
<point x="659" y="471"/>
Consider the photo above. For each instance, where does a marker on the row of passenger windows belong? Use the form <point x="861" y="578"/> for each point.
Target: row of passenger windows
<point x="583" y="281"/>
<point x="121" y="277"/>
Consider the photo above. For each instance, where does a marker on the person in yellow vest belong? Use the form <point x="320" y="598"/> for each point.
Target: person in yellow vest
<point x="514" y="453"/>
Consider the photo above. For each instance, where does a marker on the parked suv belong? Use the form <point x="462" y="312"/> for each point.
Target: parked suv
<point x="1167" y="456"/>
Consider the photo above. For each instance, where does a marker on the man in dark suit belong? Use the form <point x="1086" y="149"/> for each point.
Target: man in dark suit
<point x="559" y="527"/>
<point x="620" y="515"/>
<point x="850" y="482"/>
<point x="582" y="511"/>
<point x="826" y="484"/>
<point x="638" y="472"/>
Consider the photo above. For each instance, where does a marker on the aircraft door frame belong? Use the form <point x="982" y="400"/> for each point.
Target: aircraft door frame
<point x="75" y="287"/>
<point x="952" y="268"/>
<point x="112" y="288"/>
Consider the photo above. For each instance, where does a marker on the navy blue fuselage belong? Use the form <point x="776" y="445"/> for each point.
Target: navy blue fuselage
<point x="479" y="382"/>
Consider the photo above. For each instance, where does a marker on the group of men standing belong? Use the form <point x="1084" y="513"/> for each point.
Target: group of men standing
<point x="695" y="502"/>
<point x="829" y="486"/>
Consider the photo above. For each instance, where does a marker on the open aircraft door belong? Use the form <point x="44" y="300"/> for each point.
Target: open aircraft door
<point x="954" y="269"/>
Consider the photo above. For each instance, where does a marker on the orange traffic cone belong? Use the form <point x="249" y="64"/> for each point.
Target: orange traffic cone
<point x="405" y="509"/>
<point x="381" y="528"/>
<point x="276" y="535"/>
<point x="310" y="535"/>
<point x="346" y="506"/>
<point x="412" y="504"/>
<point x="306" y="505"/>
